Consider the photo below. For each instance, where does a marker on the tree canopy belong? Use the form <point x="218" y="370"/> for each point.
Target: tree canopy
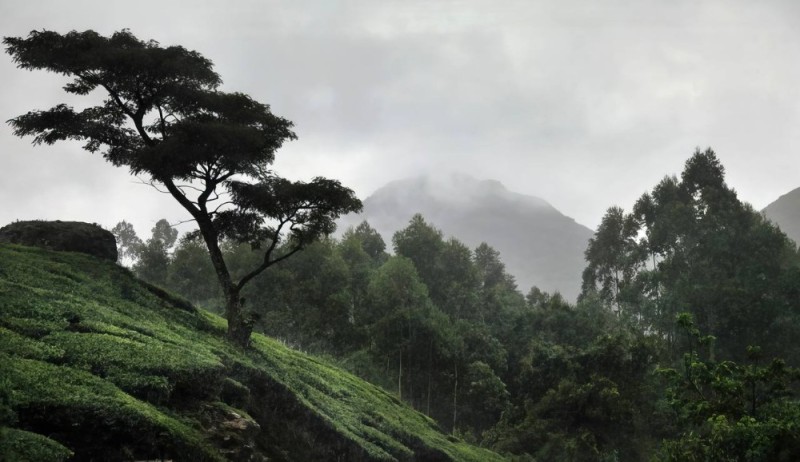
<point x="691" y="245"/>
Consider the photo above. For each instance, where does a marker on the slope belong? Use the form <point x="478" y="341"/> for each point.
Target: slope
<point x="785" y="212"/>
<point x="100" y="365"/>
<point x="539" y="245"/>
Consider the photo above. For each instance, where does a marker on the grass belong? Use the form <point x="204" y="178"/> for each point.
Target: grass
<point x="96" y="362"/>
<point x="19" y="445"/>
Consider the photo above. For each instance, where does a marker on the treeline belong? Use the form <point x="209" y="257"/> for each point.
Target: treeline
<point x="426" y="322"/>
<point x="668" y="354"/>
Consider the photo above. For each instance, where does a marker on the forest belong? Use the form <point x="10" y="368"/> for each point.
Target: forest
<point x="680" y="346"/>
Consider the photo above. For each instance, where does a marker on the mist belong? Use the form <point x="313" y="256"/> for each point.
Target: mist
<point x="584" y="107"/>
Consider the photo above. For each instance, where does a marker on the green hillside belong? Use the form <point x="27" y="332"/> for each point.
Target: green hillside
<point x="101" y="366"/>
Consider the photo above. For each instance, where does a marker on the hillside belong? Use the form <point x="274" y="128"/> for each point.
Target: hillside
<point x="785" y="212"/>
<point x="539" y="245"/>
<point x="97" y="363"/>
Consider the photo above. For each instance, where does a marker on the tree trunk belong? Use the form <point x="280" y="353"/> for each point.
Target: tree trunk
<point x="430" y="377"/>
<point x="240" y="323"/>
<point x="400" y="377"/>
<point x="616" y="291"/>
<point x="455" y="397"/>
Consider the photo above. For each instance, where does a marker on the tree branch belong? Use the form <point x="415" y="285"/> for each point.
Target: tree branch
<point x="214" y="212"/>
<point x="162" y="122"/>
<point x="267" y="254"/>
<point x="152" y="184"/>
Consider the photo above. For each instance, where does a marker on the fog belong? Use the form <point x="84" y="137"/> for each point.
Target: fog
<point x="582" y="105"/>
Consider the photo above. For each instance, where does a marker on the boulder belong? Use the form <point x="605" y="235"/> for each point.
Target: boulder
<point x="70" y="236"/>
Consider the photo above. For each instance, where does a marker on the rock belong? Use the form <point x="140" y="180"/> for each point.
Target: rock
<point x="69" y="236"/>
<point x="232" y="431"/>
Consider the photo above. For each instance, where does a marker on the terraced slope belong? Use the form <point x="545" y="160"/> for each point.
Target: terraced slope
<point x="97" y="365"/>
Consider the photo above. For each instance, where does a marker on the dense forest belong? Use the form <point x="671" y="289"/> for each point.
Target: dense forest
<point x="680" y="346"/>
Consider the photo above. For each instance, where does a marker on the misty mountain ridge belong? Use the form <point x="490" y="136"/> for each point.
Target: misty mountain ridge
<point x="785" y="212"/>
<point x="539" y="245"/>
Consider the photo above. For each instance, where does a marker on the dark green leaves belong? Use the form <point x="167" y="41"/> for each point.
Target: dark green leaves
<point x="309" y="209"/>
<point x="96" y="125"/>
<point x="691" y="244"/>
<point x="119" y="62"/>
<point x="163" y="116"/>
<point x="731" y="411"/>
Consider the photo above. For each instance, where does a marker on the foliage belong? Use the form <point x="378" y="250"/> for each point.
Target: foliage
<point x="190" y="273"/>
<point x="128" y="243"/>
<point x="691" y="245"/>
<point x="586" y="396"/>
<point x="108" y="369"/>
<point x="731" y="411"/>
<point x="20" y="446"/>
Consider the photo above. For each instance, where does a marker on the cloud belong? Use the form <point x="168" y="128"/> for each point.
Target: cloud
<point x="583" y="104"/>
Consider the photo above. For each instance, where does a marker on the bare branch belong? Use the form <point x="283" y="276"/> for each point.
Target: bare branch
<point x="182" y="222"/>
<point x="181" y="186"/>
<point x="152" y="184"/>
<point x="216" y="210"/>
<point x="267" y="254"/>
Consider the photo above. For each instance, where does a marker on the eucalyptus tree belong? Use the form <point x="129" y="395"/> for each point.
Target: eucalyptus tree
<point x="690" y="244"/>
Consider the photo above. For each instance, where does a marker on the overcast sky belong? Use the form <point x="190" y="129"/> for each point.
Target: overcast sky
<point x="583" y="105"/>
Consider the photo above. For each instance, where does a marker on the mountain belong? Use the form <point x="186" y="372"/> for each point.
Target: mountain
<point x="785" y="212"/>
<point x="539" y="245"/>
<point x="98" y="365"/>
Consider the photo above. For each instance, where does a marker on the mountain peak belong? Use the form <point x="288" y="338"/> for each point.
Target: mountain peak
<point x="785" y="212"/>
<point x="539" y="245"/>
<point x="454" y="190"/>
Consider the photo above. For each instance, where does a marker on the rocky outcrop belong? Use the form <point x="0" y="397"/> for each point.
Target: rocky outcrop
<point x="232" y="432"/>
<point x="69" y="236"/>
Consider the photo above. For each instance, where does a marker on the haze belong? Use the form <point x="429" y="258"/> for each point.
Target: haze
<point x="582" y="105"/>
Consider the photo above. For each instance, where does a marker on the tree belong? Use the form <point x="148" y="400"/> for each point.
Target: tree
<point x="308" y="300"/>
<point x="370" y="240"/>
<point x="192" y="275"/>
<point x="613" y="257"/>
<point x="588" y="401"/>
<point x="422" y="243"/>
<point x="165" y="118"/>
<point x="128" y="243"/>
<point x="153" y="260"/>
<point x="691" y="245"/>
<point x="460" y="281"/>
<point x="499" y="297"/>
<point x="399" y="301"/>
<point x="363" y="249"/>
<point x="730" y="411"/>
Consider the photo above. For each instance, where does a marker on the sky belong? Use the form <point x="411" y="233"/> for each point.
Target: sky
<point x="584" y="104"/>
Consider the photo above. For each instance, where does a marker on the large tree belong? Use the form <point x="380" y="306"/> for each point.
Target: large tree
<point x="164" y="118"/>
<point x="691" y="245"/>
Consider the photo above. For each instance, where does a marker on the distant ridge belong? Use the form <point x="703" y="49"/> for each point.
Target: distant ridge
<point x="785" y="212"/>
<point x="539" y="245"/>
